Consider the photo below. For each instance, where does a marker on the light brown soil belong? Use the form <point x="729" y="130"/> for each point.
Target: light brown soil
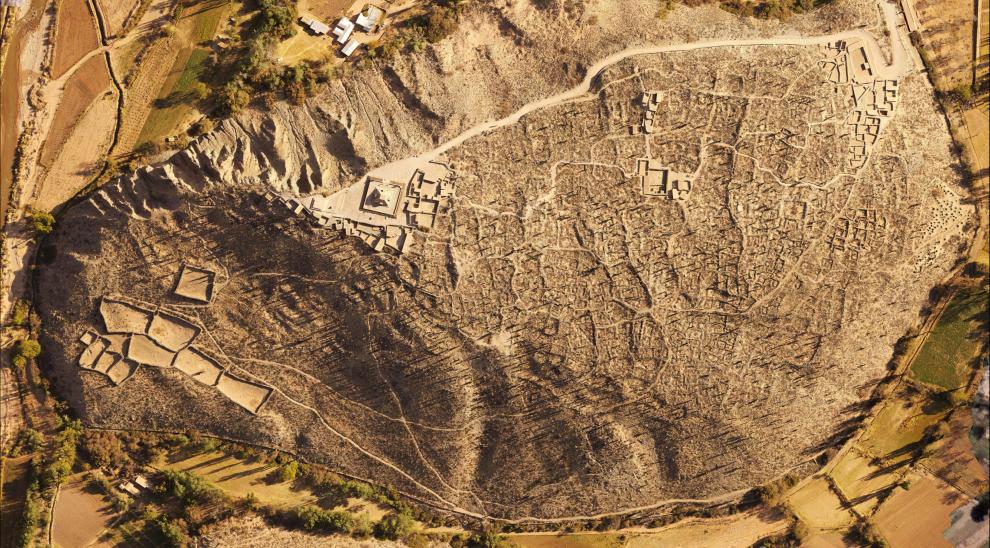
<point x="142" y="349"/>
<point x="919" y="515"/>
<point x="75" y="37"/>
<point x="80" y="516"/>
<point x="79" y="160"/>
<point x="121" y="317"/>
<point x="115" y="13"/>
<point x="88" y="82"/>
<point x="248" y="395"/>
<point x="171" y="332"/>
<point x="197" y="365"/>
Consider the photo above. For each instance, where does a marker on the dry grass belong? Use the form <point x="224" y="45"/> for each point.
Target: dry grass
<point x="862" y="482"/>
<point x="817" y="506"/>
<point x="76" y="35"/>
<point x="115" y="13"/>
<point x="15" y="484"/>
<point x="948" y="33"/>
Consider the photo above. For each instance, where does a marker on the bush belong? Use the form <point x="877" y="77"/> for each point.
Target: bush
<point x="103" y="449"/>
<point x="21" y="312"/>
<point x="28" y="348"/>
<point x="42" y="221"/>
<point x="439" y="24"/>
<point x="394" y="526"/>
<point x="173" y="532"/>
<point x="289" y="471"/>
<point x="232" y="98"/>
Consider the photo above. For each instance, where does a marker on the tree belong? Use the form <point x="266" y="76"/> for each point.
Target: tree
<point x="289" y="471"/>
<point x="21" y="312"/>
<point x="42" y="221"/>
<point x="172" y="531"/>
<point x="394" y="526"/>
<point x="233" y="97"/>
<point x="199" y="91"/>
<point x="29" y="348"/>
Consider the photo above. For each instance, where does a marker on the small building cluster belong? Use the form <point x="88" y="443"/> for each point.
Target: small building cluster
<point x="656" y="180"/>
<point x="382" y="213"/>
<point x="650" y="101"/>
<point x="873" y="100"/>
<point x="367" y="21"/>
<point x="137" y="336"/>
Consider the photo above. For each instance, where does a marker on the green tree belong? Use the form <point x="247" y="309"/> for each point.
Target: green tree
<point x="394" y="526"/>
<point x="289" y="471"/>
<point x="29" y="348"/>
<point x="42" y="221"/>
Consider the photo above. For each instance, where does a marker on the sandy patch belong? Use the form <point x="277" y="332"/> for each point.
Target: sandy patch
<point x="195" y="283"/>
<point x="89" y="356"/>
<point x="818" y="506"/>
<point x="121" y="317"/>
<point x="171" y="332"/>
<point x="198" y="365"/>
<point x="121" y="371"/>
<point x="247" y="394"/>
<point x="142" y="349"/>
<point x="79" y="516"/>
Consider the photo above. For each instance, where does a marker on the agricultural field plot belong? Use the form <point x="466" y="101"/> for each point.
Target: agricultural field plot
<point x="16" y="472"/>
<point x="901" y="423"/>
<point x="304" y="47"/>
<point x="116" y="12"/>
<point x="175" y="100"/>
<point x="948" y="32"/>
<point x="76" y="35"/>
<point x="174" y="103"/>
<point x="919" y="515"/>
<point x="329" y="11"/>
<point x="818" y="506"/>
<point x="79" y="159"/>
<point x="946" y="358"/>
<point x="864" y="483"/>
<point x="80" y="516"/>
<point x="88" y="82"/>
<point x="239" y="478"/>
<point x="954" y="460"/>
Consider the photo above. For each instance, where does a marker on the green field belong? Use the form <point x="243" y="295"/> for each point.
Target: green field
<point x="944" y="360"/>
<point x="176" y="95"/>
<point x="206" y="18"/>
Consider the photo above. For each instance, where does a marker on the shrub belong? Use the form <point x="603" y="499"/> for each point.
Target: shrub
<point x="439" y="24"/>
<point x="42" y="221"/>
<point x="289" y="471"/>
<point x="173" y="532"/>
<point x="28" y="348"/>
<point x="394" y="526"/>
<point x="201" y="127"/>
<point x="21" y="312"/>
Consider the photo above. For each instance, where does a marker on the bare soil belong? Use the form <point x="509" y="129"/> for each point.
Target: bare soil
<point x="87" y="84"/>
<point x="79" y="160"/>
<point x="80" y="515"/>
<point x="76" y="35"/>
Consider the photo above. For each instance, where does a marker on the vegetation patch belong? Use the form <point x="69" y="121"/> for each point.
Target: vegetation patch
<point x="945" y="359"/>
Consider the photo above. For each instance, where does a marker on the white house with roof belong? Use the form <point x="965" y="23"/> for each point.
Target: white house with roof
<point x="368" y="20"/>
<point x="343" y="30"/>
